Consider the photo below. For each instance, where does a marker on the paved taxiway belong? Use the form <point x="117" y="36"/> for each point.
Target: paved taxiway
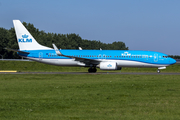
<point x="80" y="73"/>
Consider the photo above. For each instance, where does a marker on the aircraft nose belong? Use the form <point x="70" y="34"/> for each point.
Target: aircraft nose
<point x="173" y="61"/>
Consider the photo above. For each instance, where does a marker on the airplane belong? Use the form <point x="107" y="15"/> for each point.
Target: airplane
<point x="104" y="59"/>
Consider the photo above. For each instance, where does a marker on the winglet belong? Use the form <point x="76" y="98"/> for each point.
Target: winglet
<point x="56" y="49"/>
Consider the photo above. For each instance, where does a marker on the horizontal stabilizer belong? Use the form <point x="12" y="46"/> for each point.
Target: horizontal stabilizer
<point x="16" y="50"/>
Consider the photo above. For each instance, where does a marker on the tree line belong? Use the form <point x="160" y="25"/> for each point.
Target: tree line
<point x="174" y="56"/>
<point x="63" y="41"/>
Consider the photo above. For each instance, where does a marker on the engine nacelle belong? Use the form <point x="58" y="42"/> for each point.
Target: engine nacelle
<point x="109" y="66"/>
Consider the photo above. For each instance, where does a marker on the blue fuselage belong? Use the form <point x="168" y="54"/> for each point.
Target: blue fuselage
<point x="123" y="57"/>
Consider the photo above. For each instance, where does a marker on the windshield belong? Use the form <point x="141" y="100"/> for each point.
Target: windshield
<point x="165" y="56"/>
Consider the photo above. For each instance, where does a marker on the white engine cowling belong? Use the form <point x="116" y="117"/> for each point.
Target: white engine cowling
<point x="109" y="66"/>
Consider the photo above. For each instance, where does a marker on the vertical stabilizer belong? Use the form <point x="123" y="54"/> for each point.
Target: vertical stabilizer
<point x="25" y="40"/>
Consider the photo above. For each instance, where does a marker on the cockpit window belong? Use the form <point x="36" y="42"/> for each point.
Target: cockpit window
<point x="165" y="56"/>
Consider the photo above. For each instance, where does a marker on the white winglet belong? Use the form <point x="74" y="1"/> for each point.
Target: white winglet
<point x="56" y="49"/>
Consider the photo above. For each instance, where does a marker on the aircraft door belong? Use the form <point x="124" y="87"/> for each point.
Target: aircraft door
<point x="155" y="57"/>
<point x="40" y="56"/>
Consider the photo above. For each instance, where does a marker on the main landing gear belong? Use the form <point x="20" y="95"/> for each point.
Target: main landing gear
<point x="158" y="71"/>
<point x="92" y="70"/>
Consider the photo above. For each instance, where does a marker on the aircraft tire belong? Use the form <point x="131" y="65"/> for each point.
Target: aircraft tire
<point x="158" y="71"/>
<point x="94" y="70"/>
<point x="90" y="70"/>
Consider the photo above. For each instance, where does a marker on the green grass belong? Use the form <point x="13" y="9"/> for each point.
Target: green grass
<point x="29" y="66"/>
<point x="90" y="97"/>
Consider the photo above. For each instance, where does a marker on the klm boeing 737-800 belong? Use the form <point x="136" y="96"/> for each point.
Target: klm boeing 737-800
<point x="104" y="59"/>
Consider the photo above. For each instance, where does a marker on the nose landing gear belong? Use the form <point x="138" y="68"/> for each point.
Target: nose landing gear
<point x="158" y="71"/>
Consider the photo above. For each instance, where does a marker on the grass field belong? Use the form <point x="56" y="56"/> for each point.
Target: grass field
<point x="29" y="66"/>
<point x="90" y="97"/>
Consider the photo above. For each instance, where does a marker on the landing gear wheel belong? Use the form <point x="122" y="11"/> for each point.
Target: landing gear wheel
<point x="158" y="71"/>
<point x="89" y="70"/>
<point x="92" y="70"/>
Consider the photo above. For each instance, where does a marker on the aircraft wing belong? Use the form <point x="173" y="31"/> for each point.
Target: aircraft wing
<point x="84" y="60"/>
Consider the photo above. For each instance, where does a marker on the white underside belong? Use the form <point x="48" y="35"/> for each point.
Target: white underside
<point x="72" y="62"/>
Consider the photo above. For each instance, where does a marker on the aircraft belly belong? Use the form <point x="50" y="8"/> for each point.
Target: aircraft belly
<point x="126" y="63"/>
<point x="59" y="62"/>
<point x="67" y="62"/>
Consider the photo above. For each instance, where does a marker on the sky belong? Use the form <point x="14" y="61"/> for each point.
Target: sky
<point x="152" y="25"/>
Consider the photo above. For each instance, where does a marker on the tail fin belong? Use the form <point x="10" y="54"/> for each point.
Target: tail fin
<point x="25" y="40"/>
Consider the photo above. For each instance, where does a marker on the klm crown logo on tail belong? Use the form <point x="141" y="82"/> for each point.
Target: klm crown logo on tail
<point x="24" y="39"/>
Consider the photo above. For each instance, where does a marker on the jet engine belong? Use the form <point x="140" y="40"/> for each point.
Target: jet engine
<point x="109" y="66"/>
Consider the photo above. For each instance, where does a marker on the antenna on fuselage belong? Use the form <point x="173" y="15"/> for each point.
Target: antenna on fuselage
<point x="80" y="48"/>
